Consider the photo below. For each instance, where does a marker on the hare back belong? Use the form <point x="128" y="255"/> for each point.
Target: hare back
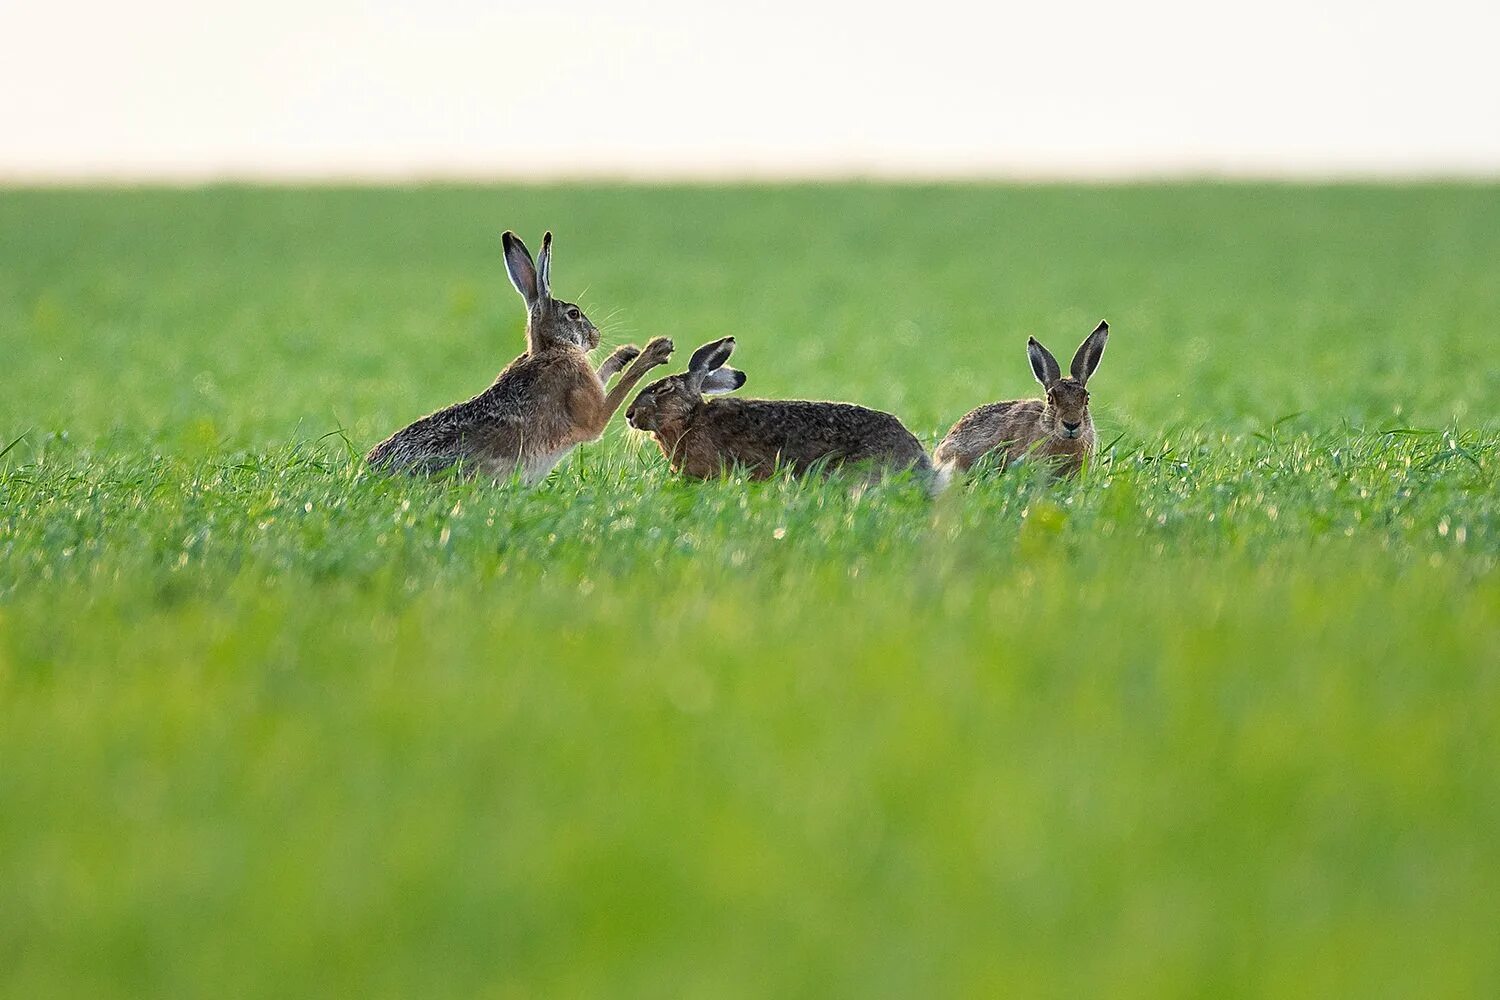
<point x="760" y="433"/>
<point x="987" y="427"/>
<point x="536" y="410"/>
<point x="1012" y="429"/>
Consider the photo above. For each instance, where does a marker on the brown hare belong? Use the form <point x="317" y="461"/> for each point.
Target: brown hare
<point x="543" y="404"/>
<point x="704" y="438"/>
<point x="1056" y="428"/>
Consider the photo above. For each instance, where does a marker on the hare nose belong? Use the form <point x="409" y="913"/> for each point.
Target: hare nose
<point x="1072" y="426"/>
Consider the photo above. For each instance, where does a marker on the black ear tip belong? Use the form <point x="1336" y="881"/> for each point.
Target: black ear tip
<point x="507" y="237"/>
<point x="739" y="379"/>
<point x="1103" y="327"/>
<point x="547" y="238"/>
<point x="1032" y="342"/>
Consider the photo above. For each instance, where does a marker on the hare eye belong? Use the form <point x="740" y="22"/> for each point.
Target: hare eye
<point x="574" y="314"/>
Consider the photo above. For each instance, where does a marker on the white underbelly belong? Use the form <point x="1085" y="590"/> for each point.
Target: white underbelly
<point x="535" y="467"/>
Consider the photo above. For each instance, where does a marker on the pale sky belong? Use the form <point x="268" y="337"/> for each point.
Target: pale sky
<point x="379" y="89"/>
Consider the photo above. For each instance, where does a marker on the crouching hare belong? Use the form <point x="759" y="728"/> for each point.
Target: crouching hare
<point x="705" y="438"/>
<point x="1056" y="428"/>
<point x="543" y="404"/>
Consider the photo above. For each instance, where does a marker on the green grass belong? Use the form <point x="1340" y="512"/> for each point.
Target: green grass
<point x="1221" y="717"/>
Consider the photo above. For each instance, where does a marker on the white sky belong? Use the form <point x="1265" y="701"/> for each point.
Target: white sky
<point x="163" y="89"/>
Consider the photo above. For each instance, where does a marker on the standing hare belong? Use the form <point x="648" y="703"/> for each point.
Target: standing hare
<point x="1056" y="428"/>
<point x="544" y="402"/>
<point x="705" y="438"/>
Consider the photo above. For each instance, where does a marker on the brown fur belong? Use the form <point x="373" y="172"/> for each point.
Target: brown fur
<point x="1036" y="428"/>
<point x="1014" y="429"/>
<point x="539" y="407"/>
<point x="703" y="439"/>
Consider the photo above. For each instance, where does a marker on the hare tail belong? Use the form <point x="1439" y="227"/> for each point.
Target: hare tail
<point x="941" y="479"/>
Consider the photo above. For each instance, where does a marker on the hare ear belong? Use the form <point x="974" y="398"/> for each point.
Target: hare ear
<point x="544" y="268"/>
<point x="721" y="380"/>
<point x="1092" y="349"/>
<point x="518" y="265"/>
<point x="711" y="355"/>
<point x="1043" y="364"/>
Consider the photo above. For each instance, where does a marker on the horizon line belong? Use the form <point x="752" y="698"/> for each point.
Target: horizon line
<point x="734" y="176"/>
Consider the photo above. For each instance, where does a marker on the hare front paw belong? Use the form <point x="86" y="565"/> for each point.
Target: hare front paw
<point x="658" y="351"/>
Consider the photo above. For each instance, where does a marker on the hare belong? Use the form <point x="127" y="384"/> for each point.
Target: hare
<point x="1056" y="428"/>
<point x="705" y="438"/>
<point x="544" y="402"/>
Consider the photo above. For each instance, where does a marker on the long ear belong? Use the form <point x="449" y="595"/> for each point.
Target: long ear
<point x="1092" y="349"/>
<point x="712" y="355"/>
<point x="544" y="268"/>
<point x="1043" y="364"/>
<point x="518" y="265"/>
<point x="721" y="380"/>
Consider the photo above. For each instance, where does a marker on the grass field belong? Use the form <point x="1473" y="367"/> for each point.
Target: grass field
<point x="1221" y="717"/>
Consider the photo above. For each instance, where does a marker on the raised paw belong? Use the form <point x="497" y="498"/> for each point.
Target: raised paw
<point x="616" y="362"/>
<point x="657" y="351"/>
